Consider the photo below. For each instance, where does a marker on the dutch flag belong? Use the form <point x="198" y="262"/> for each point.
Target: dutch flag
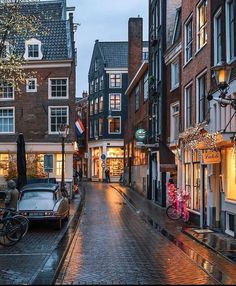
<point x="79" y="127"/>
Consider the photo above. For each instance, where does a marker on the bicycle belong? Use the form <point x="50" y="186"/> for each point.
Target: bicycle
<point x="11" y="231"/>
<point x="178" y="204"/>
<point x="22" y="219"/>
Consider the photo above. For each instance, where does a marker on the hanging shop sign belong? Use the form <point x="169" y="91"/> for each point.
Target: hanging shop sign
<point x="141" y="135"/>
<point x="211" y="157"/>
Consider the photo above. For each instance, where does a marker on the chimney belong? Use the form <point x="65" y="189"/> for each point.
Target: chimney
<point x="135" y="45"/>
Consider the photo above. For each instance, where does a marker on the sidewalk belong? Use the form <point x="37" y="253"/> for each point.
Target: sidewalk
<point x="214" y="258"/>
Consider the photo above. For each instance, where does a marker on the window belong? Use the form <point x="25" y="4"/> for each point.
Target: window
<point x="159" y="68"/>
<point x="101" y="126"/>
<point x="96" y="128"/>
<point x="188" y="106"/>
<point x="145" y="87"/>
<point x="96" y="106"/>
<point x="115" y="101"/>
<point x="188" y="40"/>
<point x="31" y="85"/>
<point x="96" y="84"/>
<point x="196" y="186"/>
<point x="115" y="125"/>
<point x="174" y="75"/>
<point x="230" y="30"/>
<point x="101" y="83"/>
<point x="91" y="107"/>
<point x="145" y="54"/>
<point x="115" y="80"/>
<point x="217" y="38"/>
<point x="6" y="90"/>
<point x="201" y="24"/>
<point x="5" y="51"/>
<point x="57" y="116"/>
<point x="91" y="87"/>
<point x="7" y="124"/>
<point x="201" y="97"/>
<point x="4" y="164"/>
<point x="101" y="104"/>
<point x="95" y="65"/>
<point x="58" y="164"/>
<point x="33" y="50"/>
<point x="137" y="97"/>
<point x="90" y="129"/>
<point x="174" y="128"/>
<point x="230" y="229"/>
<point x="58" y="88"/>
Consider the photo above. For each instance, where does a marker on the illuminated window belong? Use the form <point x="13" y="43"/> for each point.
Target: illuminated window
<point x="101" y="104"/>
<point x="115" y="125"/>
<point x="115" y="101"/>
<point x="201" y="24"/>
<point x="58" y="164"/>
<point x="115" y="80"/>
<point x="230" y="174"/>
<point x="4" y="162"/>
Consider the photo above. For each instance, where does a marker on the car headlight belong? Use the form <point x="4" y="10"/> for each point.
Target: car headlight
<point x="24" y="213"/>
<point x="48" y="213"/>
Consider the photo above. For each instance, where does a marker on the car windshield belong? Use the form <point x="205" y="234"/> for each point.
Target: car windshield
<point x="42" y="195"/>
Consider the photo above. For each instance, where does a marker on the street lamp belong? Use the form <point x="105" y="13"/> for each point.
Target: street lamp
<point x="63" y="132"/>
<point x="222" y="74"/>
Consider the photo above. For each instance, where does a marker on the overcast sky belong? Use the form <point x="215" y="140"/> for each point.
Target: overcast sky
<point x="105" y="20"/>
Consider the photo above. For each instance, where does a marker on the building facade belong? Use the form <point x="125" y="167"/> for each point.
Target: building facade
<point x="46" y="100"/>
<point x="136" y="157"/>
<point x="108" y="81"/>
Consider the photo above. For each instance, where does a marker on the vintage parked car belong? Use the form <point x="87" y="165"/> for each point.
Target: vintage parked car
<point x="43" y="202"/>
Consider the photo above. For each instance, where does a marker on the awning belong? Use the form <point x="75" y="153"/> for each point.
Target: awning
<point x="167" y="158"/>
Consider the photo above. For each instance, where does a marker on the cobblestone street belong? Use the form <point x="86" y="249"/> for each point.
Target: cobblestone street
<point x="113" y="246"/>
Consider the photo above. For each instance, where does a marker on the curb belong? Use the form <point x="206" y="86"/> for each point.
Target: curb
<point x="47" y="274"/>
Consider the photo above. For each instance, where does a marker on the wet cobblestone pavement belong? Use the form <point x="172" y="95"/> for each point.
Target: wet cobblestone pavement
<point x="114" y="246"/>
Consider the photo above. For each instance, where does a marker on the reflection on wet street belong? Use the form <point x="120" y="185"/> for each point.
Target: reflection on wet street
<point x="113" y="246"/>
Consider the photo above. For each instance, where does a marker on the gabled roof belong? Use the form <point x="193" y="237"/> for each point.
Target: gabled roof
<point x="54" y="30"/>
<point x="115" y="54"/>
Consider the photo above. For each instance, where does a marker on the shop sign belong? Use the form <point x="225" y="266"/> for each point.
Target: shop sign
<point x="140" y="135"/>
<point x="211" y="157"/>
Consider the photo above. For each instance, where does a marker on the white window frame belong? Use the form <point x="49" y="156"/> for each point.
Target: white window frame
<point x="112" y="94"/>
<point x="33" y="41"/>
<point x="204" y="27"/>
<point x="50" y="88"/>
<point x="14" y="119"/>
<point x="27" y="85"/>
<point x="49" y="117"/>
<point x="174" y="115"/>
<point x="190" y="19"/>
<point x="109" y="122"/>
<point x="115" y="73"/>
<point x="197" y="94"/>
<point x="185" y="105"/>
<point x="174" y="75"/>
<point x="217" y="48"/>
<point x="230" y="58"/>
<point x="13" y="93"/>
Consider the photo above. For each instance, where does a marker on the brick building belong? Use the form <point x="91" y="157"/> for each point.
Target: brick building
<point x="136" y="158"/>
<point x="47" y="100"/>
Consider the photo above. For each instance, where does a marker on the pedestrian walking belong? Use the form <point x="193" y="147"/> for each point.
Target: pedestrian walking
<point x="12" y="195"/>
<point x="107" y="174"/>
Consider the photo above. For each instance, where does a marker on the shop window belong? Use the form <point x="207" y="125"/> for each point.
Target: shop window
<point x="231" y="174"/>
<point x="4" y="163"/>
<point x="58" y="164"/>
<point x="230" y="224"/>
<point x="115" y="160"/>
<point x="196" y="186"/>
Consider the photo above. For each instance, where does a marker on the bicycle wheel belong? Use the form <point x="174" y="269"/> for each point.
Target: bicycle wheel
<point x="173" y="213"/>
<point x="10" y="232"/>
<point x="24" y="222"/>
<point x="14" y="229"/>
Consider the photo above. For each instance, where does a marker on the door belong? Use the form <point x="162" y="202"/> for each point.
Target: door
<point x="204" y="197"/>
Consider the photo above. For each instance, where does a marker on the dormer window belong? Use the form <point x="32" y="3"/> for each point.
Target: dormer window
<point x="5" y="51"/>
<point x="33" y="50"/>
